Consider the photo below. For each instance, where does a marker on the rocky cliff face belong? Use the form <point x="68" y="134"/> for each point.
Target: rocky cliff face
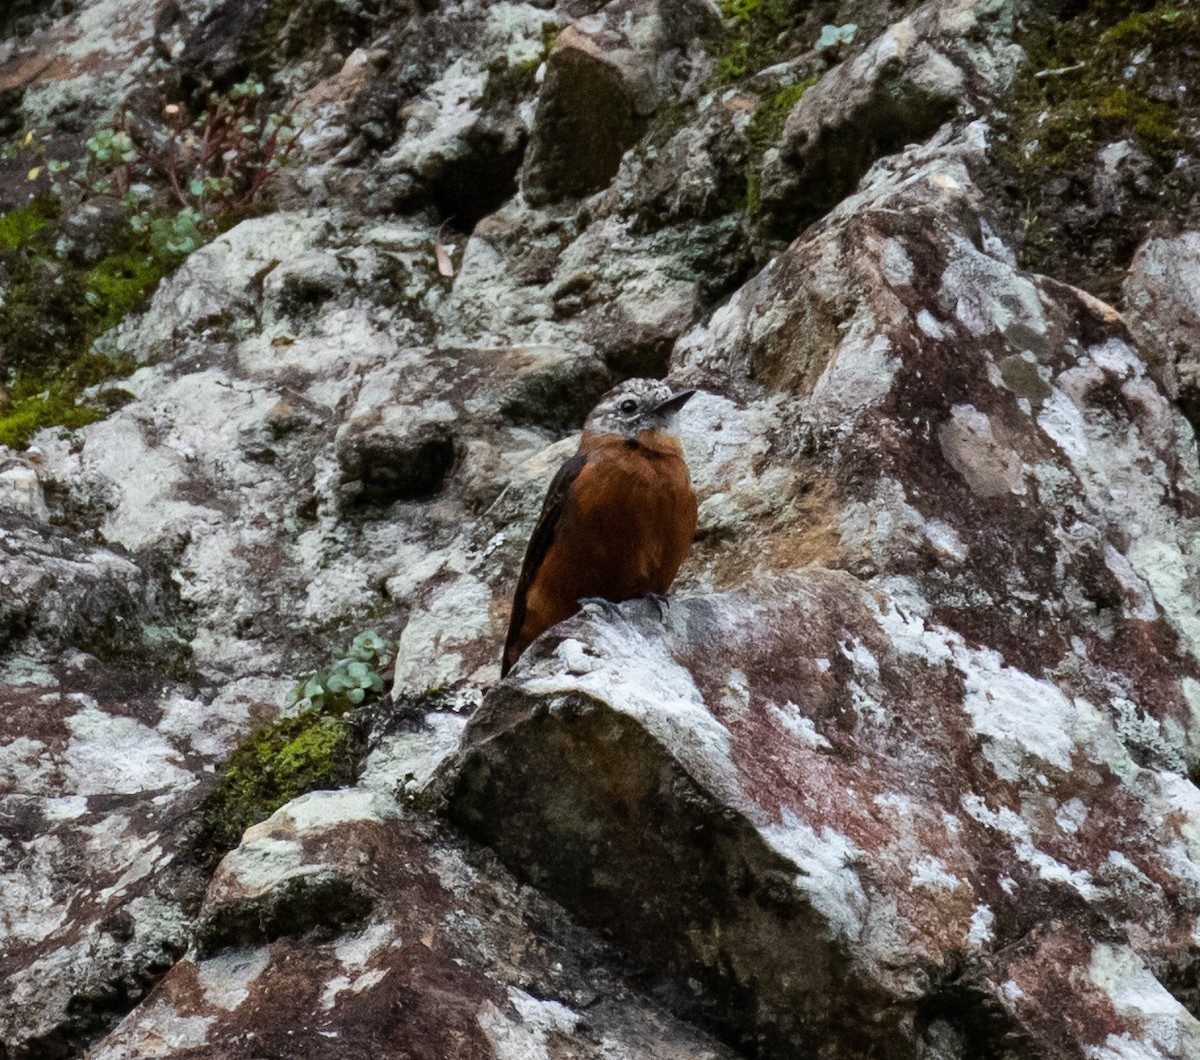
<point x="904" y="768"/>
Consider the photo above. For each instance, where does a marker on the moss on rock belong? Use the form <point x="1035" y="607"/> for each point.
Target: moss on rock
<point x="314" y="750"/>
<point x="51" y="312"/>
<point x="1106" y="76"/>
<point x="763" y="133"/>
<point x="319" y="748"/>
<point x="760" y="34"/>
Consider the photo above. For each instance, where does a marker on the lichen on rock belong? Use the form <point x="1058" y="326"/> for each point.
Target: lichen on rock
<point x="905" y="763"/>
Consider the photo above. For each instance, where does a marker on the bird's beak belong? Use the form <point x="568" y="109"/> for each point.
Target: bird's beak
<point x="674" y="403"/>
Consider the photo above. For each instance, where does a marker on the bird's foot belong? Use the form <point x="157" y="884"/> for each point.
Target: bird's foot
<point x="662" y="603"/>
<point x="598" y="603"/>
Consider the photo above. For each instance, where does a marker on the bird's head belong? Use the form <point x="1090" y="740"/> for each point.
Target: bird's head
<point x="635" y="406"/>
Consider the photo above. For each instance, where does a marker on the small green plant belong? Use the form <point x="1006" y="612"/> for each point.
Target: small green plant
<point x="318" y="748"/>
<point x="349" y="681"/>
<point x="179" y="177"/>
<point x="180" y="181"/>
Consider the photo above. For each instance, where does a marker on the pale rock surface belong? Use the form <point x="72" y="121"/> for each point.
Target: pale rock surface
<point x="824" y="790"/>
<point x="1162" y="299"/>
<point x="904" y="763"/>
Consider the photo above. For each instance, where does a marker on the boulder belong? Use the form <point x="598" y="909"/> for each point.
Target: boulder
<point x="1162" y="299"/>
<point x="894" y="841"/>
<point x="605" y="74"/>
<point x="449" y="958"/>
<point x="949" y="58"/>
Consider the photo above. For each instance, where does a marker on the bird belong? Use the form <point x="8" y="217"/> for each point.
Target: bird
<point x="618" y="519"/>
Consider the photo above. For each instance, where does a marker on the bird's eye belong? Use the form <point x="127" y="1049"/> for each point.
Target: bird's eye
<point x="628" y="406"/>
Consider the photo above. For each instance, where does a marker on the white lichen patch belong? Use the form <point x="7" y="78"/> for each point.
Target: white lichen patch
<point x="257" y="866"/>
<point x="30" y="908"/>
<point x="930" y="874"/>
<point x="1008" y="823"/>
<point x="522" y="1032"/>
<point x="1019" y="715"/>
<point x="636" y="675"/>
<point x="143" y="855"/>
<point x="1176" y="799"/>
<point x="155" y="1029"/>
<point x="987" y="295"/>
<point x="226" y="979"/>
<point x="1174" y="579"/>
<point x="895" y="263"/>
<point x="319" y="811"/>
<point x="882" y="526"/>
<point x="1071" y="815"/>
<point x="457" y="615"/>
<point x="25" y="766"/>
<point x="827" y="875"/>
<point x="858" y="376"/>
<point x="110" y="755"/>
<point x="354" y="952"/>
<point x="942" y="536"/>
<point x="798" y="726"/>
<point x="979" y="933"/>
<point x="341" y="983"/>
<point x="437" y="122"/>
<point x="407" y="761"/>
<point x="721" y="438"/>
<point x="1139" y="997"/>
<point x="1123" y="1047"/>
<point x="213" y="726"/>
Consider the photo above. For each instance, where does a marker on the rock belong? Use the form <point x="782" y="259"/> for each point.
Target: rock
<point x="207" y="297"/>
<point x="796" y="835"/>
<point x="79" y="68"/>
<point x="289" y="874"/>
<point x="61" y="594"/>
<point x="454" y="960"/>
<point x="212" y="47"/>
<point x="927" y="683"/>
<point x="947" y="58"/>
<point x="94" y="874"/>
<point x="1163" y="311"/>
<point x="20" y="487"/>
<point x="605" y="74"/>
<point x="1090" y="160"/>
<point x="556" y="390"/>
<point x="387" y="468"/>
<point x="464" y="136"/>
<point x="699" y="174"/>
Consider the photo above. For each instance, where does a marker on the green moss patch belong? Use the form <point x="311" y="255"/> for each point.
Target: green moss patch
<point x="763" y="132"/>
<point x="315" y="750"/>
<point x="761" y="33"/>
<point x="318" y="749"/>
<point x="19" y="228"/>
<point x="51" y="312"/>
<point x="61" y="402"/>
<point x="1107" y="75"/>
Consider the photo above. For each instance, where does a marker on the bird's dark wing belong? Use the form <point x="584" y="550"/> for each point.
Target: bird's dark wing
<point x="539" y="545"/>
